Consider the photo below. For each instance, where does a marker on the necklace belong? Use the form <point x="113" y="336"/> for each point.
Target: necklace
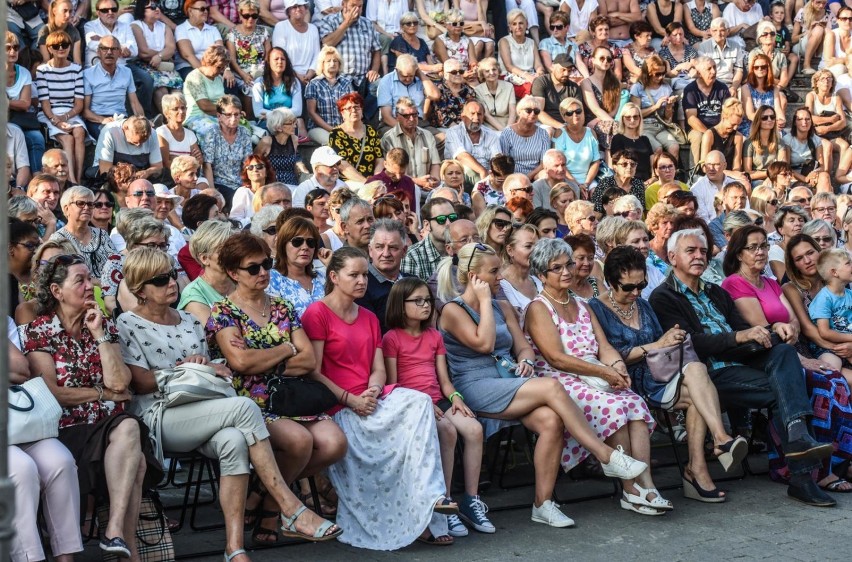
<point x="626" y="314"/>
<point x="265" y="304"/>
<point x="554" y="299"/>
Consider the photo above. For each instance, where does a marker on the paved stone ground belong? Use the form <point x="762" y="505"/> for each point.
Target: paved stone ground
<point x="757" y="523"/>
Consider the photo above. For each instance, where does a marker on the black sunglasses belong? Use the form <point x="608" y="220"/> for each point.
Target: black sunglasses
<point x="557" y="27"/>
<point x="442" y="219"/>
<point x="250" y="16"/>
<point x="84" y="204"/>
<point x="162" y="279"/>
<point x="479" y="246"/>
<point x="108" y="10"/>
<point x="60" y="46"/>
<point x="270" y="230"/>
<point x="66" y="260"/>
<point x="103" y="204"/>
<point x="630" y="287"/>
<point x="572" y="112"/>
<point x="255" y="269"/>
<point x="299" y="240"/>
<point x="501" y="223"/>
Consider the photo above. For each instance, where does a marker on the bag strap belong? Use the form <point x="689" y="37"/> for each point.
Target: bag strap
<point x="19" y="388"/>
<point x="363" y="145"/>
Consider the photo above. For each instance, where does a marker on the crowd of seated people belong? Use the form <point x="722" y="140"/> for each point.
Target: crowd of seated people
<point x="500" y="207"/>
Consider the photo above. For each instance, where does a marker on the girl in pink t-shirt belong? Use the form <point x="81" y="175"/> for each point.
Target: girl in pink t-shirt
<point x="415" y="358"/>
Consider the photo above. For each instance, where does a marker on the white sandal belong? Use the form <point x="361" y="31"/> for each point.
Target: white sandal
<point x="659" y="502"/>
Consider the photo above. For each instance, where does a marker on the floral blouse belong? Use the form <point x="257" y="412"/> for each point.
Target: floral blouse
<point x="283" y="321"/>
<point x="448" y="109"/>
<point x="292" y="291"/>
<point x="491" y="195"/>
<point x="78" y="364"/>
<point x="250" y="49"/>
<point x="349" y="148"/>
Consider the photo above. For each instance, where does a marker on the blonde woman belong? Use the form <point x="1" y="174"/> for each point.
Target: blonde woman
<point x="827" y="110"/>
<point x="631" y="136"/>
<point x="493" y="226"/>
<point x="764" y="201"/>
<point x="322" y="93"/>
<point x="518" y="54"/>
<point x="184" y="170"/>
<point x="496" y="96"/>
<point x="561" y="195"/>
<point x="581" y="218"/>
<point x="175" y="139"/>
<point x="518" y="285"/>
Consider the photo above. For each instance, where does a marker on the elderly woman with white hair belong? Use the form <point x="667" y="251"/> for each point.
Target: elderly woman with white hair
<point x="282" y="147"/>
<point x="92" y="243"/>
<point x="263" y="223"/>
<point x="581" y="218"/>
<point x="518" y="54"/>
<point x="524" y="140"/>
<point x="496" y="96"/>
<point x="213" y="284"/>
<point x="322" y="93"/>
<point x="629" y="207"/>
<point x="175" y="139"/>
<point x="822" y="232"/>
<point x="446" y="111"/>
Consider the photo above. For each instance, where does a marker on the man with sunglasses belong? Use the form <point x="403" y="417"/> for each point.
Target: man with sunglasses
<point x="422" y="258"/>
<point x="140" y="195"/>
<point x="387" y="247"/>
<point x="555" y="87"/>
<point x="108" y="88"/>
<point x="107" y="24"/>
<point x="407" y="80"/>
<point x="768" y="379"/>
<point x="517" y="185"/>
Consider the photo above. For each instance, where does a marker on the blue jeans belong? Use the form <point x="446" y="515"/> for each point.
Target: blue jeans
<point x="144" y="89"/>
<point x="772" y="380"/>
<point x="35" y="148"/>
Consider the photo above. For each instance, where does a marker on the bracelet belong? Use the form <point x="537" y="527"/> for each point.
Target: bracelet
<point x="616" y="362"/>
<point x="528" y="362"/>
<point x="644" y="352"/>
<point x="380" y="387"/>
<point x="293" y="347"/>
<point x="103" y="339"/>
<point x="344" y="396"/>
<point x="100" y="390"/>
<point x="453" y="395"/>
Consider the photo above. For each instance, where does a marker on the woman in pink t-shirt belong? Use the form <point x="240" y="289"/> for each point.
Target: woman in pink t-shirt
<point x="390" y="481"/>
<point x="415" y="358"/>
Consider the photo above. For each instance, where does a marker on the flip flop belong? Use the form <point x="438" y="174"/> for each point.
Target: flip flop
<point x="433" y="541"/>
<point x="835" y="486"/>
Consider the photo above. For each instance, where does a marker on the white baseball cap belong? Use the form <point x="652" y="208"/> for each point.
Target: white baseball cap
<point x="325" y="156"/>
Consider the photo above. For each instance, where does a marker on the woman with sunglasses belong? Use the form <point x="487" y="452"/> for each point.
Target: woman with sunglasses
<point x="75" y="349"/>
<point x="60" y="15"/>
<point x="103" y="213"/>
<point x="478" y="331"/>
<point x="518" y="54"/>
<point x="579" y="144"/>
<point x="295" y="278"/>
<point x="493" y="226"/>
<point x="155" y="336"/>
<point x="764" y="201"/>
<point x="407" y="42"/>
<point x="629" y="324"/>
<point x="558" y="42"/>
<point x="257" y="171"/>
<point x="760" y="89"/>
<point x="602" y="94"/>
<point x="256" y="333"/>
<point x="524" y="140"/>
<point x="93" y="244"/>
<point x="656" y="102"/>
<point x="822" y="232"/>
<point x="598" y="36"/>
<point x="157" y="49"/>
<point x="764" y="145"/>
<point x="194" y="36"/>
<point x="247" y="45"/>
<point x="60" y="90"/>
<point x="447" y="110"/>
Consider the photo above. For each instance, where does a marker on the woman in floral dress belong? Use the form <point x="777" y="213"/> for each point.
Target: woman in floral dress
<point x="260" y="336"/>
<point x="247" y="46"/>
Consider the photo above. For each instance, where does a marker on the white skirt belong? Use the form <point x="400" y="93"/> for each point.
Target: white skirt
<point x="53" y="130"/>
<point x="390" y="478"/>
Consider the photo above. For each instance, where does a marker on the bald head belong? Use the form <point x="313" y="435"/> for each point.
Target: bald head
<point x="517" y="185"/>
<point x="460" y="233"/>
<point x="140" y="194"/>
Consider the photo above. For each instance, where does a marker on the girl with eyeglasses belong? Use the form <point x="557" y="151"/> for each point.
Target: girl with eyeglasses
<point x="764" y="145"/>
<point x="760" y="89"/>
<point x="415" y="358"/>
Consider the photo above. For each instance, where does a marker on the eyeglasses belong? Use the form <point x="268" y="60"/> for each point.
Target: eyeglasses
<point x="572" y="112"/>
<point x="524" y="189"/>
<point x="824" y="209"/>
<point x="250" y="16"/>
<point x="665" y="167"/>
<point x="84" y="204"/>
<point x="529" y="110"/>
<point x="421" y="302"/>
<point x="13" y="48"/>
<point x="557" y="27"/>
<point x="108" y="10"/>
<point x="471" y="239"/>
<point x="479" y="246"/>
<point x="767" y="117"/>
<point x="254" y="269"/>
<point x="297" y="242"/>
<point x="60" y="46"/>
<point x="657" y="74"/>
<point x="630" y="117"/>
<point x="560" y="268"/>
<point x="152" y="6"/>
<point x="109" y="49"/>
<point x="442" y="219"/>
<point x="66" y="260"/>
<point x="605" y="59"/>
<point x="754" y="248"/>
<point x="823" y="239"/>
<point x="456" y="72"/>
<point x="253" y="167"/>
<point x="455" y="23"/>
<point x="31" y="246"/>
<point x="352" y="108"/>
<point x="162" y="279"/>
<point x="412" y="115"/>
<point x="627" y="163"/>
<point x="155" y="245"/>
<point x="630" y="287"/>
<point x="591" y="218"/>
<point x="501" y="223"/>
<point x="149" y="193"/>
<point x="270" y="230"/>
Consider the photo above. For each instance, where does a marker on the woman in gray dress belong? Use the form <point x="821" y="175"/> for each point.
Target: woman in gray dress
<point x="479" y="332"/>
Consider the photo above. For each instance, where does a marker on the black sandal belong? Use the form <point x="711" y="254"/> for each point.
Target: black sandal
<point x="250" y="516"/>
<point x="259" y="530"/>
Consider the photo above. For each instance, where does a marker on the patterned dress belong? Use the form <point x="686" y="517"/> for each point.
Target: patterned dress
<point x="448" y="109"/>
<point x="284" y="158"/>
<point x="283" y="321"/>
<point x="491" y="195"/>
<point x="292" y="291"/>
<point x="606" y="412"/>
<point x="250" y="49"/>
<point x="700" y="19"/>
<point x="349" y="148"/>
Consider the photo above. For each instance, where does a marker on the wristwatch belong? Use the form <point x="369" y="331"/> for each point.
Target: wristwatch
<point x="103" y="339"/>
<point x="528" y="362"/>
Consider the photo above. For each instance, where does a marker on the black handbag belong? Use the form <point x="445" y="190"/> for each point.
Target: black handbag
<point x="27" y="11"/>
<point x="26" y="120"/>
<point x="747" y="352"/>
<point x="294" y="397"/>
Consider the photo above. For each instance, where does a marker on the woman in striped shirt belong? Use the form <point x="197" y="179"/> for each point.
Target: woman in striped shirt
<point x="524" y="140"/>
<point x="60" y="92"/>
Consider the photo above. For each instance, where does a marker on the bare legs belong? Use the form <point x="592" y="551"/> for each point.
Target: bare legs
<point x="450" y="426"/>
<point x="124" y="468"/>
<point x="232" y="498"/>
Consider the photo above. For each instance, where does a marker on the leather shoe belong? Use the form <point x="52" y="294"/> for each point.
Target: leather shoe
<point x="808" y="448"/>
<point x="808" y="492"/>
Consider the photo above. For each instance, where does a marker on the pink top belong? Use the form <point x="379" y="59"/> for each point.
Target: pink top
<point x="769" y="297"/>
<point x="415" y="359"/>
<point x="470" y="10"/>
<point x="347" y="357"/>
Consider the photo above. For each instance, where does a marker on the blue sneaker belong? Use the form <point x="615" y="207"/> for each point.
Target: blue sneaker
<point x="472" y="511"/>
<point x="457" y="528"/>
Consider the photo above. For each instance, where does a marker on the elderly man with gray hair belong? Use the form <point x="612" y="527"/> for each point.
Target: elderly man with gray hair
<point x="132" y="141"/>
<point x="356" y="217"/>
<point x="424" y="158"/>
<point x="517" y="185"/>
<point x="472" y="143"/>
<point x="554" y="163"/>
<point x="727" y="55"/>
<point x="386" y="250"/>
<point x="770" y="378"/>
<point x="107" y="88"/>
<point x="407" y="80"/>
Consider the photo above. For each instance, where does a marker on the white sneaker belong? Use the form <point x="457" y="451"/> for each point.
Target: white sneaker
<point x="623" y="466"/>
<point x="456" y="527"/>
<point x="549" y="514"/>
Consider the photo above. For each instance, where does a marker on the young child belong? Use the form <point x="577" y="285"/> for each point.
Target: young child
<point x="783" y="36"/>
<point x="831" y="308"/>
<point x="415" y="358"/>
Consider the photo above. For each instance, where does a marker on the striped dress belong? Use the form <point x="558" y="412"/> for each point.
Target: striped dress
<point x="60" y="87"/>
<point x="527" y="151"/>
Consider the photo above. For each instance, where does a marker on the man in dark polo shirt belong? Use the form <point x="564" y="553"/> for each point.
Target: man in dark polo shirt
<point x="387" y="246"/>
<point x="554" y="88"/>
<point x="702" y="103"/>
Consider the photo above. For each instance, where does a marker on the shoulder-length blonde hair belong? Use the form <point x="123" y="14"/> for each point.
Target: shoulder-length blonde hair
<point x="632" y="107"/>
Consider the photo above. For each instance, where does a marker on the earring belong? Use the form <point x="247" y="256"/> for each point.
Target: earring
<point x="141" y="300"/>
